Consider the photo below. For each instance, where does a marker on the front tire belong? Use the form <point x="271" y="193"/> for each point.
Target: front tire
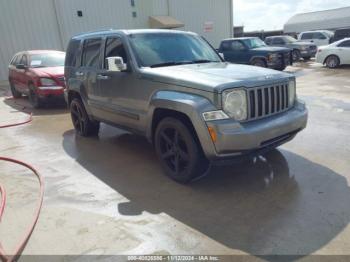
<point x="178" y="152"/>
<point x="34" y="100"/>
<point x="82" y="124"/>
<point x="14" y="92"/>
<point x="259" y="63"/>
<point x="296" y="55"/>
<point x="332" y="61"/>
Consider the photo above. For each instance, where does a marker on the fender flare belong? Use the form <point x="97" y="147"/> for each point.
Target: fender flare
<point x="191" y="105"/>
<point x="258" y="57"/>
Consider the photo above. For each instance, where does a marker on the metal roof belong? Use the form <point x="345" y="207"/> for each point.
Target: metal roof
<point x="327" y="19"/>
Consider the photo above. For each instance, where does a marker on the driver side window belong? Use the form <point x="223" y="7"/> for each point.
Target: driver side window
<point x="114" y="47"/>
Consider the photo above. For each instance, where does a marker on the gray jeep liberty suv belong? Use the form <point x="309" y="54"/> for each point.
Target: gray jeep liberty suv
<point x="174" y="88"/>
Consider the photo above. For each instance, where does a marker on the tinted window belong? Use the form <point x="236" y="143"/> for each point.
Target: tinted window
<point x="91" y="53"/>
<point x="307" y="36"/>
<point x="114" y="47"/>
<point x="254" y="42"/>
<point x="345" y="44"/>
<point x="13" y="61"/>
<point x="268" y="41"/>
<point x="237" y="46"/>
<point x="225" y="46"/>
<point x="47" y="60"/>
<point x="278" y="41"/>
<point x="155" y="49"/>
<point x="72" y="53"/>
<point x="319" y="36"/>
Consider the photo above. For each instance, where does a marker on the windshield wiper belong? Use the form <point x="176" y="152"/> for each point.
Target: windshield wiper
<point x="202" y="61"/>
<point x="171" y="64"/>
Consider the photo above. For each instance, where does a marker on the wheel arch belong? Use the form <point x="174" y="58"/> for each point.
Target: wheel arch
<point x="324" y="61"/>
<point x="263" y="58"/>
<point x="186" y="107"/>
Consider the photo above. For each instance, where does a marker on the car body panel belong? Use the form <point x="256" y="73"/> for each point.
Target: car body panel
<point x="318" y="37"/>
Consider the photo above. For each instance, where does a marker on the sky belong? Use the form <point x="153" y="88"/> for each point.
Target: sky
<point x="273" y="14"/>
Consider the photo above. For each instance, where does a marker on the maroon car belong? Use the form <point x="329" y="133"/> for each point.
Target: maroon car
<point x="38" y="74"/>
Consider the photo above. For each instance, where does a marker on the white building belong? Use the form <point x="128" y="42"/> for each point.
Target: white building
<point x="327" y="20"/>
<point x="49" y="24"/>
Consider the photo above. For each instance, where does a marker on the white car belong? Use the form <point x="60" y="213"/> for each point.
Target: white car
<point x="334" y="54"/>
<point x="318" y="37"/>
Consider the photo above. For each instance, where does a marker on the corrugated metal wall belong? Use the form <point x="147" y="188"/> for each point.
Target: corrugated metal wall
<point x="49" y="24"/>
<point x="26" y="25"/>
<point x="195" y="13"/>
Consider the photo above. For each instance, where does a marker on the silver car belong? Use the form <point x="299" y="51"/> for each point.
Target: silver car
<point x="173" y="88"/>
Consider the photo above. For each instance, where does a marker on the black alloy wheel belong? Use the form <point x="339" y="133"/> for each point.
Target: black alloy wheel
<point x="81" y="122"/>
<point x="178" y="151"/>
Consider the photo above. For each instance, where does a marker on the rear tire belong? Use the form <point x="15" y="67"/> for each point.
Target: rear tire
<point x="178" y="151"/>
<point x="14" y="92"/>
<point x="82" y="124"/>
<point x="332" y="61"/>
<point x="34" y="100"/>
<point x="258" y="62"/>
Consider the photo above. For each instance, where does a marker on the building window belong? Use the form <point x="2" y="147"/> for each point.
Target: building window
<point x="132" y="2"/>
<point x="134" y="14"/>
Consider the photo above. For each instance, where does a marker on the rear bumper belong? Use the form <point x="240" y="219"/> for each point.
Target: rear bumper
<point x="236" y="139"/>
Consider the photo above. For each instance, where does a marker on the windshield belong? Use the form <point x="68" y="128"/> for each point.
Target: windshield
<point x="47" y="60"/>
<point x="254" y="42"/>
<point x="166" y="49"/>
<point x="289" y="39"/>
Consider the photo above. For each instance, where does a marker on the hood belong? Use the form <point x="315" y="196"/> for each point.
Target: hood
<point x="302" y="43"/>
<point x="215" y="76"/>
<point x="272" y="49"/>
<point x="54" y="72"/>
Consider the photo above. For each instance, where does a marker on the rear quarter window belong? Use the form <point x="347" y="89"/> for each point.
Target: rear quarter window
<point x="307" y="36"/>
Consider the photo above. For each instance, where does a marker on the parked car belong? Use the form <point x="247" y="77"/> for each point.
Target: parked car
<point x="335" y="54"/>
<point x="173" y="88"/>
<point x="300" y="49"/>
<point x="253" y="51"/>
<point x="318" y="37"/>
<point x="340" y="34"/>
<point x="38" y="74"/>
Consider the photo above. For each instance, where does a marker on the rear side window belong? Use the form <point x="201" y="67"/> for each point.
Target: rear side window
<point x="307" y="36"/>
<point x="72" y="53"/>
<point x="237" y="46"/>
<point x="345" y="44"/>
<point x="319" y="36"/>
<point x="13" y="60"/>
<point x="91" y="53"/>
<point x="115" y="47"/>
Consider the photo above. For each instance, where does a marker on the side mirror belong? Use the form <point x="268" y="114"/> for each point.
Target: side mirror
<point x="116" y="64"/>
<point x="21" y="66"/>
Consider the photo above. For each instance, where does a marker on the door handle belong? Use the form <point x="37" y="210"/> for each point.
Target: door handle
<point x="102" y="77"/>
<point x="79" y="73"/>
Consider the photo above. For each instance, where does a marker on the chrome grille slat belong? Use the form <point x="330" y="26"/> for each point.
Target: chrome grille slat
<point x="265" y="101"/>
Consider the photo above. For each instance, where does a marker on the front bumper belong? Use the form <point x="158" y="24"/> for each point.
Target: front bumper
<point x="282" y="61"/>
<point x="236" y="139"/>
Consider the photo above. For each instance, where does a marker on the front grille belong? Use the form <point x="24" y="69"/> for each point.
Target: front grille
<point x="267" y="100"/>
<point x="312" y="47"/>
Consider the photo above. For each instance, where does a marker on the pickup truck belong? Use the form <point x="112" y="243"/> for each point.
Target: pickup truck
<point x="173" y="88"/>
<point x="253" y="51"/>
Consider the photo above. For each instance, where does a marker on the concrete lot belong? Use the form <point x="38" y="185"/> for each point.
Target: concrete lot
<point x="108" y="195"/>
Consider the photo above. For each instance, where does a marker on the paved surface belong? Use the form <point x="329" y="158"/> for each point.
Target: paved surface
<point x="108" y="195"/>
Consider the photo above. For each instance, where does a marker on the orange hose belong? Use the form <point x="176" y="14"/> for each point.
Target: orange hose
<point x="30" y="118"/>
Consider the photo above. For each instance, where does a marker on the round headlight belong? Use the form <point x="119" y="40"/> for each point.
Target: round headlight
<point x="235" y="104"/>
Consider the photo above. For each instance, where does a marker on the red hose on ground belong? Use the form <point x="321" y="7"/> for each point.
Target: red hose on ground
<point x="20" y="247"/>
